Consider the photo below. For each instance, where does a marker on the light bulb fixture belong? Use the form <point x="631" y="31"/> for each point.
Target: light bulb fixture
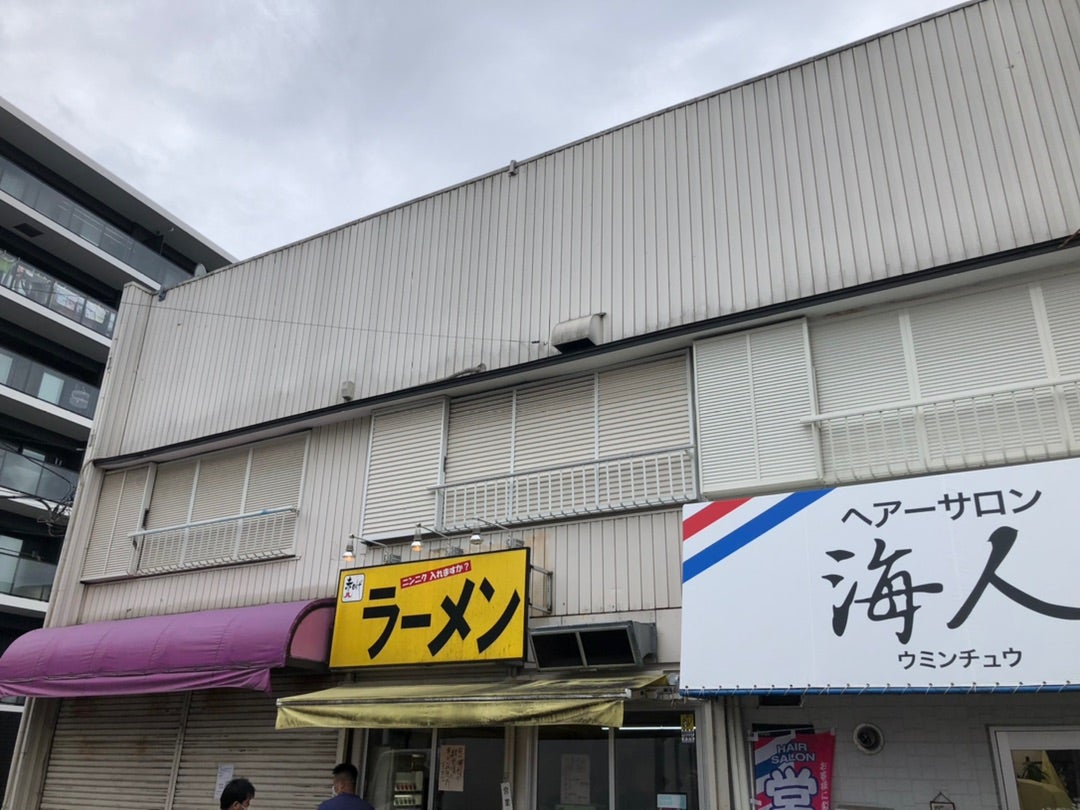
<point x="475" y="539"/>
<point x="510" y="542"/>
<point x="418" y="536"/>
<point x="349" y="555"/>
<point x="389" y="555"/>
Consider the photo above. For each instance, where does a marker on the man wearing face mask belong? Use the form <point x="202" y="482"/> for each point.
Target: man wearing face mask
<point x="345" y="798"/>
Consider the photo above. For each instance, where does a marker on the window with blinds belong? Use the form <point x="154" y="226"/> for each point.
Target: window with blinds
<point x="230" y="506"/>
<point x="613" y="439"/>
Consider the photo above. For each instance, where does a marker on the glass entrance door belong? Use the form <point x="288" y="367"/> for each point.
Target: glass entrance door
<point x="1038" y="768"/>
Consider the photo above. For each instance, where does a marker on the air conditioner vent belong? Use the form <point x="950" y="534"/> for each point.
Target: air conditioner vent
<point x="617" y="644"/>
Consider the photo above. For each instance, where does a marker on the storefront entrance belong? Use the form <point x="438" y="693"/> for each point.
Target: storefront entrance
<point x="1039" y="768"/>
<point x="647" y="762"/>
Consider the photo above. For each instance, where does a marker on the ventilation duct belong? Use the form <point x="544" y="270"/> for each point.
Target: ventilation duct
<point x="615" y="644"/>
<point x="578" y="333"/>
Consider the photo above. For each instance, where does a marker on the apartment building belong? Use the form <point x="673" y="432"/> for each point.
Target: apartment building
<point x="71" y="236"/>
<point x="653" y="471"/>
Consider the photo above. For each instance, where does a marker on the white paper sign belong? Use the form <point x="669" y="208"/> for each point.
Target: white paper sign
<point x="507" y="796"/>
<point x="942" y="582"/>
<point x="224" y="776"/>
<point x="452" y="768"/>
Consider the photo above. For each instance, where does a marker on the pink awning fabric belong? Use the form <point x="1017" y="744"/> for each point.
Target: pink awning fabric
<point x="232" y="648"/>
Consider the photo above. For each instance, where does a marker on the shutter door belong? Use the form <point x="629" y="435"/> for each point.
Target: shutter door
<point x="644" y="407"/>
<point x="977" y="341"/>
<point x="478" y="439"/>
<point x="114" y="752"/>
<point x="170" y="501"/>
<point x="118" y="514"/>
<point x="753" y="388"/>
<point x="556" y="424"/>
<point x="860" y="363"/>
<point x="290" y="768"/>
<point x="403" y="464"/>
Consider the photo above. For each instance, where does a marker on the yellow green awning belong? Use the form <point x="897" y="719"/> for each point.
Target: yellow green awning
<point x="565" y="701"/>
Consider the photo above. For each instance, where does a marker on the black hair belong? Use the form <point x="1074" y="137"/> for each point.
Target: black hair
<point x="348" y="770"/>
<point x="236" y="791"/>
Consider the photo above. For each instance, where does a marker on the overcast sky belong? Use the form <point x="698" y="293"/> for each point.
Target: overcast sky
<point x="260" y="122"/>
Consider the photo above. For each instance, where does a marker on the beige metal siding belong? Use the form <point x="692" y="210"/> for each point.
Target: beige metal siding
<point x="944" y="141"/>
<point x="113" y="752"/>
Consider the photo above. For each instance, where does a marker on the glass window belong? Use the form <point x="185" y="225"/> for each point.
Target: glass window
<point x="397" y="772"/>
<point x="5" y="367"/>
<point x="651" y="760"/>
<point x="51" y="387"/>
<point x="572" y="768"/>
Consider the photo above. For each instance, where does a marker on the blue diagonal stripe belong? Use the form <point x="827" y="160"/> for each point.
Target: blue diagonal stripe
<point x="749" y="531"/>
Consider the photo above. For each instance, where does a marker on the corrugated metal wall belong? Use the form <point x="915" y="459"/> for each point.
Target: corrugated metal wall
<point x="950" y="139"/>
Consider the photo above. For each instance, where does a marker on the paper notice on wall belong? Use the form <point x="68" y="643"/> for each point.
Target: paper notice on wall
<point x="452" y="768"/>
<point x="507" y="796"/>
<point x="224" y="776"/>
<point x="574" y="782"/>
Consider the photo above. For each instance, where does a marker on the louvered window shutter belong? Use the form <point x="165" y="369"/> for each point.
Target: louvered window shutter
<point x="478" y="439"/>
<point x="1062" y="303"/>
<point x="860" y="364"/>
<point x="403" y="465"/>
<point x="644" y="407"/>
<point x="556" y="424"/>
<point x="753" y="389"/>
<point x="118" y="514"/>
<point x="170" y="501"/>
<point x="974" y="342"/>
<point x="276" y="472"/>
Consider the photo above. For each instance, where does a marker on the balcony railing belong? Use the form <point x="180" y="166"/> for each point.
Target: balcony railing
<point x="999" y="425"/>
<point x="40" y="381"/>
<point x="25" y="576"/>
<point x="201" y="544"/>
<point x="622" y="482"/>
<point x="36" y="478"/>
<point x="67" y="213"/>
<point x="37" y="285"/>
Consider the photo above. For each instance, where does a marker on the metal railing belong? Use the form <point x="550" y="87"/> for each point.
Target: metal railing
<point x="30" y="282"/>
<point x="41" y="382"/>
<point x="61" y="209"/>
<point x="36" y="478"/>
<point x="610" y="484"/>
<point x="999" y="425"/>
<point x="265" y="534"/>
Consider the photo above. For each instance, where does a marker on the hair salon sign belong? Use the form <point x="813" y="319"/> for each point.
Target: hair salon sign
<point x="955" y="581"/>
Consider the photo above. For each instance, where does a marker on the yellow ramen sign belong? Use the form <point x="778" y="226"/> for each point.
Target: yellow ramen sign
<point x="469" y="608"/>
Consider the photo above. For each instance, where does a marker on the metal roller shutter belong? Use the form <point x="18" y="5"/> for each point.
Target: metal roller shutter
<point x="644" y="407"/>
<point x="290" y="769"/>
<point x="479" y="436"/>
<point x="556" y="424"/>
<point x="113" y="752"/>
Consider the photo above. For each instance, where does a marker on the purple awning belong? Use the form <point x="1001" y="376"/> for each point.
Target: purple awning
<point x="231" y="648"/>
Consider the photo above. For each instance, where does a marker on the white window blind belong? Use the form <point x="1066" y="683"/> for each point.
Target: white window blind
<point x="404" y="459"/>
<point x="479" y="437"/>
<point x="753" y="389"/>
<point x="556" y="424"/>
<point x="644" y="407"/>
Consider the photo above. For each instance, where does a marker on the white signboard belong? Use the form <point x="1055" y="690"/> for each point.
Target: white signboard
<point x="452" y="768"/>
<point x="947" y="581"/>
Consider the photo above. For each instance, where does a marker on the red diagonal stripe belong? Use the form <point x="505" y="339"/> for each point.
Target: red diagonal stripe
<point x="710" y="514"/>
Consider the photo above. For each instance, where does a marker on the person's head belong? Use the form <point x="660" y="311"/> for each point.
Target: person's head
<point x="345" y="776"/>
<point x="237" y="795"/>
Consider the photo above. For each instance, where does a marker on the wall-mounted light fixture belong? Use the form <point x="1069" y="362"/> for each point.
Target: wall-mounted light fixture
<point x="511" y="542"/>
<point x="418" y="536"/>
<point x="389" y="555"/>
<point x="349" y="555"/>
